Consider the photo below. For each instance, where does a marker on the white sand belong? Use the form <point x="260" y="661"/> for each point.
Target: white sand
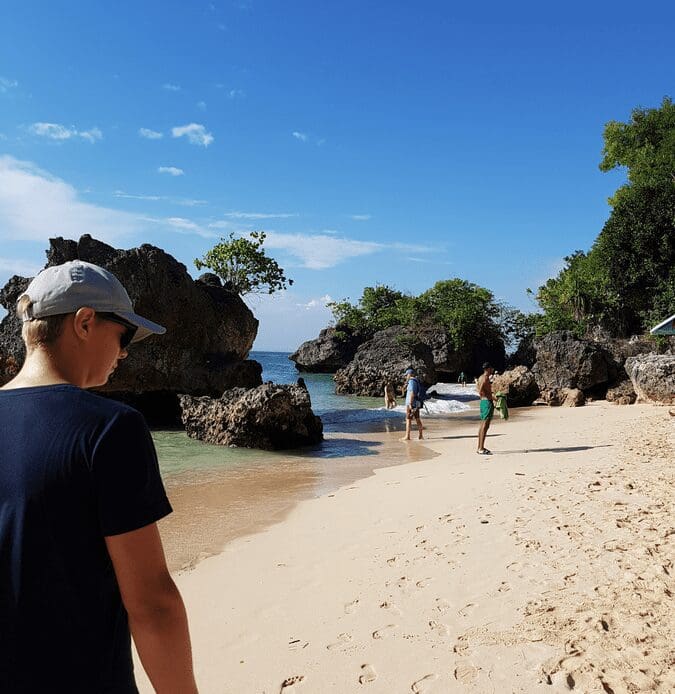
<point x="546" y="567"/>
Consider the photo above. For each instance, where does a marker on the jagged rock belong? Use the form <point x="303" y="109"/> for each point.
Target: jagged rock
<point x="210" y="331"/>
<point x="622" y="394"/>
<point x="565" y="361"/>
<point x="519" y="386"/>
<point x="653" y="377"/>
<point x="332" y="350"/>
<point x="525" y="354"/>
<point x="565" y="397"/>
<point x="384" y="359"/>
<point x="270" y="417"/>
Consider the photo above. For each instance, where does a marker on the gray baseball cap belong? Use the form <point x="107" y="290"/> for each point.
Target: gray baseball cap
<point x="67" y="288"/>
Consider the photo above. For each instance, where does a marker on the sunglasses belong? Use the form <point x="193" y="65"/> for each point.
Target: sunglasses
<point x="127" y="336"/>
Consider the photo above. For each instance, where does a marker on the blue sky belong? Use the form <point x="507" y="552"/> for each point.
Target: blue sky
<point x="377" y="142"/>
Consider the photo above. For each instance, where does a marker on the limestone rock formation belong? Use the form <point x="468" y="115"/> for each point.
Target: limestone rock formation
<point x="622" y="393"/>
<point x="271" y="417"/>
<point x="565" y="361"/>
<point x="565" y="397"/>
<point x="653" y="377"/>
<point x="384" y="359"/>
<point x="332" y="350"/>
<point x="210" y="331"/>
<point x="519" y="386"/>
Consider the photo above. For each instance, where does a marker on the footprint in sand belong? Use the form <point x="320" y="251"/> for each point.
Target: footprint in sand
<point x="466" y="610"/>
<point x="437" y="627"/>
<point x="466" y="673"/>
<point x="423" y="583"/>
<point x="368" y="674"/>
<point x="290" y="682"/>
<point x="387" y="605"/>
<point x="442" y="605"/>
<point x="504" y="587"/>
<point x="342" y="640"/>
<point x="424" y="684"/>
<point x="384" y="631"/>
<point x="420" y="528"/>
<point x="350" y="607"/>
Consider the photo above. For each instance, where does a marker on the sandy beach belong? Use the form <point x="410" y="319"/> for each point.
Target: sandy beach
<point x="548" y="566"/>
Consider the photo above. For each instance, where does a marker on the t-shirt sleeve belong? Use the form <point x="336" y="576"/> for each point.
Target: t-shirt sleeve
<point x="128" y="487"/>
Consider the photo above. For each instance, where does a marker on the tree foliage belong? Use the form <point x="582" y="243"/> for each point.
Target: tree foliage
<point x="243" y="265"/>
<point x="625" y="281"/>
<point x="468" y="313"/>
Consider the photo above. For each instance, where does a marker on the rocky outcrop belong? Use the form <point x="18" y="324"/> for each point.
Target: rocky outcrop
<point x="519" y="386"/>
<point x="653" y="377"/>
<point x="271" y="417"/>
<point x="210" y="331"/>
<point x="565" y="397"/>
<point x="384" y="359"/>
<point x="565" y="361"/>
<point x="332" y="350"/>
<point x="622" y="394"/>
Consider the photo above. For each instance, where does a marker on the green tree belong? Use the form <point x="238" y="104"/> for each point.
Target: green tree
<point x="645" y="145"/>
<point x="243" y="265"/>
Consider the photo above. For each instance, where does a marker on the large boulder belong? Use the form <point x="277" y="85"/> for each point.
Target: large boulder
<point x="271" y="417"/>
<point x="519" y="385"/>
<point x="210" y="330"/>
<point x="565" y="397"/>
<point x="565" y="361"/>
<point x="332" y="350"/>
<point x="622" y="393"/>
<point x="384" y="359"/>
<point x="653" y="377"/>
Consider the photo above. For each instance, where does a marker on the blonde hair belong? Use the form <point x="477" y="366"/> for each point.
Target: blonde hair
<point x="37" y="331"/>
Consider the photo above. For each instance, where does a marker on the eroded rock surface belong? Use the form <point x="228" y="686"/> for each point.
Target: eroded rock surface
<point x="210" y="330"/>
<point x="519" y="385"/>
<point x="270" y="416"/>
<point x="384" y="359"/>
<point x="332" y="350"/>
<point x="653" y="377"/>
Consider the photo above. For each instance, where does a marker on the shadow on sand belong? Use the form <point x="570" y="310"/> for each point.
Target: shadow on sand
<point x="561" y="449"/>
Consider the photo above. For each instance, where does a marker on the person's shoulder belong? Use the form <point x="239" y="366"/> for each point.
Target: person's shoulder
<point x="101" y="407"/>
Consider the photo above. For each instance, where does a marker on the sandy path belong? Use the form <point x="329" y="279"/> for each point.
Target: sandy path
<point x="546" y="567"/>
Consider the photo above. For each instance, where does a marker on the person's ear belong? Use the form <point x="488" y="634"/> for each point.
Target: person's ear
<point x="83" y="322"/>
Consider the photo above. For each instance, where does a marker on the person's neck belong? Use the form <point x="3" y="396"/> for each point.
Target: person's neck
<point x="40" y="369"/>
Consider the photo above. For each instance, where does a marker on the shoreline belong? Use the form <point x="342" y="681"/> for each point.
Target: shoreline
<point x="452" y="574"/>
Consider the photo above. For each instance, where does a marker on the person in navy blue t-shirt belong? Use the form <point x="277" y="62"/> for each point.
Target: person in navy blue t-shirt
<point x="412" y="405"/>
<point x="81" y="562"/>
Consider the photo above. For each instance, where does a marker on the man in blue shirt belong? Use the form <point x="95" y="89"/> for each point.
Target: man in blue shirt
<point x="81" y="561"/>
<point x="412" y="404"/>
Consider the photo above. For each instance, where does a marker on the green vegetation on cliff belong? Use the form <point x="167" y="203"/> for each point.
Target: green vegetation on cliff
<point x="626" y="282"/>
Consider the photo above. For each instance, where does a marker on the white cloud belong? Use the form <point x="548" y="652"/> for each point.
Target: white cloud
<point x="183" y="225"/>
<point x="361" y="217"/>
<point x="299" y="136"/>
<point x="260" y="215"/>
<point x="171" y="87"/>
<point x="315" y="303"/>
<point x="7" y="84"/>
<point x="235" y="94"/>
<point x="150" y="134"/>
<point x="320" y="251"/>
<point x="201" y="105"/>
<point x="56" y="131"/>
<point x="195" y="133"/>
<point x="130" y="196"/>
<point x="171" y="170"/>
<point x="186" y="202"/>
<point x="35" y="206"/>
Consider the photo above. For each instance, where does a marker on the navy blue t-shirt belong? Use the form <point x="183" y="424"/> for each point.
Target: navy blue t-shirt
<point x="74" y="468"/>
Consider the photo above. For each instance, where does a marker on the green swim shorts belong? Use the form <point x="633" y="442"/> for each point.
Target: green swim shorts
<point x="487" y="409"/>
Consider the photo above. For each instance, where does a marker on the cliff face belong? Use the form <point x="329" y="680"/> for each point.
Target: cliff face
<point x="210" y="331"/>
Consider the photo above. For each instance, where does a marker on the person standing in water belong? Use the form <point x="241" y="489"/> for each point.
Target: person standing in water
<point x="487" y="406"/>
<point x="412" y="405"/>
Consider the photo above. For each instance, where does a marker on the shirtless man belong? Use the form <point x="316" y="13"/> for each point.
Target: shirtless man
<point x="487" y="406"/>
